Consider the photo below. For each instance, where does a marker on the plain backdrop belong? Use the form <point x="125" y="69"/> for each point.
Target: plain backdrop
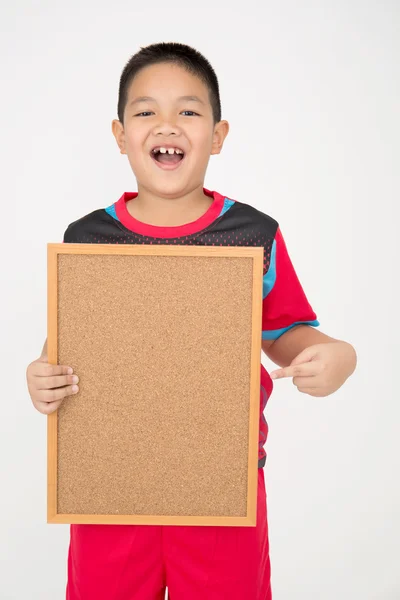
<point x="311" y="91"/>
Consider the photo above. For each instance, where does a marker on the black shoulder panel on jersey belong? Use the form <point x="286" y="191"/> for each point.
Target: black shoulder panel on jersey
<point x="246" y="218"/>
<point x="87" y="228"/>
<point x="240" y="225"/>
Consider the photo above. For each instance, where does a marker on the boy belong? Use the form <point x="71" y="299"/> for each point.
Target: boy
<point x="169" y="123"/>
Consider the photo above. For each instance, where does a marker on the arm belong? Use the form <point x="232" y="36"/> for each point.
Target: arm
<point x="284" y="349"/>
<point x="318" y="363"/>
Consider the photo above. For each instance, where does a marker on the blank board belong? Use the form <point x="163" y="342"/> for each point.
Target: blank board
<point x="166" y="342"/>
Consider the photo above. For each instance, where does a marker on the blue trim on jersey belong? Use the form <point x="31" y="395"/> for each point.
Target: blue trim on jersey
<point x="273" y="334"/>
<point x="227" y="204"/>
<point x="111" y="211"/>
<point x="270" y="276"/>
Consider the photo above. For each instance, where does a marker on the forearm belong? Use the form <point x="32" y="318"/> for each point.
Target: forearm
<point x="289" y="345"/>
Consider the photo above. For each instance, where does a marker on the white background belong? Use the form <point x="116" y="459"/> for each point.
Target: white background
<point x="311" y="90"/>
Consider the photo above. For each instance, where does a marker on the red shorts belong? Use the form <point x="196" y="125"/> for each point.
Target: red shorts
<point x="138" y="562"/>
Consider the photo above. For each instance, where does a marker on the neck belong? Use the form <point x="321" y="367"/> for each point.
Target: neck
<point x="168" y="211"/>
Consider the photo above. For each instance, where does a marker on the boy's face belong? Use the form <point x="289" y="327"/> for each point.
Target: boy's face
<point x="157" y="114"/>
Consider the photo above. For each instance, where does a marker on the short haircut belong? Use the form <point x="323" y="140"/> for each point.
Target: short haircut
<point x="173" y="53"/>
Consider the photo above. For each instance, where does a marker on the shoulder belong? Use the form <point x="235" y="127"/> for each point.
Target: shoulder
<point x="96" y="222"/>
<point x="250" y="217"/>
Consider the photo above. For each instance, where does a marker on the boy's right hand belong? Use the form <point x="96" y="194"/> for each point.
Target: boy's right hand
<point x="48" y="384"/>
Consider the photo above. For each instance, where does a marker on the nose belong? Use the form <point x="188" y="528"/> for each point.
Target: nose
<point x="166" y="126"/>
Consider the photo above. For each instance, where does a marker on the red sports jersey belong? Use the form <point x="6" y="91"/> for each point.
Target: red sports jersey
<point x="227" y="222"/>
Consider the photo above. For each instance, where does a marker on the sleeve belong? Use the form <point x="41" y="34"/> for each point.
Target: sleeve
<point x="66" y="236"/>
<point x="284" y="301"/>
<point x="71" y="234"/>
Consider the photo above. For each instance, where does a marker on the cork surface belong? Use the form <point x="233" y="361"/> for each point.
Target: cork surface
<point x="162" y="348"/>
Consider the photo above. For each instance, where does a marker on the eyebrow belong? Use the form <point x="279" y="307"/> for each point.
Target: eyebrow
<point x="150" y="99"/>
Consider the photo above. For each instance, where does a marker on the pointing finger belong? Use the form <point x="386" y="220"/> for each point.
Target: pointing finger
<point x="303" y="370"/>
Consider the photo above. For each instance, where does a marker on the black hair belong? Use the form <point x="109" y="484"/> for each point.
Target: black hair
<point x="174" y="53"/>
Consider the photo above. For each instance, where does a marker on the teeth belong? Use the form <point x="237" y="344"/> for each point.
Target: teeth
<point x="169" y="151"/>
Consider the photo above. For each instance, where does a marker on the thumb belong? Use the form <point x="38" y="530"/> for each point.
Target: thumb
<point x="305" y="355"/>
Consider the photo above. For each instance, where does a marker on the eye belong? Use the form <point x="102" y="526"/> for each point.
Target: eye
<point x="146" y="112"/>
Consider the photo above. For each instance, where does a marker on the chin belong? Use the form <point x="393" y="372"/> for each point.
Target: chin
<point x="168" y="189"/>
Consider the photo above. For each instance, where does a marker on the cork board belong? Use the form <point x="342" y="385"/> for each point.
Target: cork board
<point x="166" y="342"/>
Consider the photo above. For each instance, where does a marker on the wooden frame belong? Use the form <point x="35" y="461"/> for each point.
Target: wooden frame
<point x="55" y="251"/>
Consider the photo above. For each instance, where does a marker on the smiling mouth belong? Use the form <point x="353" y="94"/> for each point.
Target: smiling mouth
<point x="167" y="160"/>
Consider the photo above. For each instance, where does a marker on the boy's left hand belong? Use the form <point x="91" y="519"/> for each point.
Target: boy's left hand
<point x="321" y="369"/>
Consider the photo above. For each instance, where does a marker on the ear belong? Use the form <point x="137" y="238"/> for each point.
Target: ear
<point x="221" y="130"/>
<point x="119" y="134"/>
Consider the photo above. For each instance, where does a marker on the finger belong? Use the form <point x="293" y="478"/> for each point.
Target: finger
<point x="303" y="370"/>
<point x="316" y="392"/>
<point x="40" y="369"/>
<point x="306" y="382"/>
<point x="47" y="383"/>
<point x="306" y="355"/>
<point x="46" y="408"/>
<point x="57" y="394"/>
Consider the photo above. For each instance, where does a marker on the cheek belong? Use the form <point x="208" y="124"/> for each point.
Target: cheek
<point x="134" y="147"/>
<point x="202" y="142"/>
<point x="133" y="141"/>
<point x="135" y="136"/>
